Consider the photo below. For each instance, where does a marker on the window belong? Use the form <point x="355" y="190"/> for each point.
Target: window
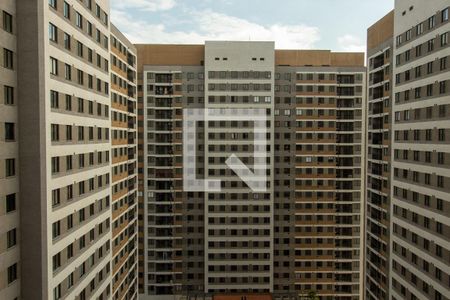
<point x="54" y="99"/>
<point x="80" y="77"/>
<point x="70" y="280"/>
<point x="443" y="63"/>
<point x="90" y="55"/>
<point x="418" y="50"/>
<point x="9" y="132"/>
<point x="80" y="133"/>
<point x="69" y="192"/>
<point x="56" y="229"/>
<point x="69" y="164"/>
<point x="429" y="90"/>
<point x="7" y="22"/>
<point x="8" y="94"/>
<point x="55" y="167"/>
<point x="52" y="3"/>
<point x="67" y="41"/>
<point x="98" y="35"/>
<point x="441" y="134"/>
<point x="53" y="66"/>
<point x="430" y="44"/>
<point x="10" y="203"/>
<point x="399" y="40"/>
<point x="80" y="49"/>
<point x="79" y="20"/>
<point x="11" y="239"/>
<point x="66" y="10"/>
<point x="444" y="15"/>
<point x="442" y="87"/>
<point x="52" y="33"/>
<point x="419" y="29"/>
<point x="68" y="102"/>
<point x="68" y="72"/>
<point x="56" y="261"/>
<point x="431" y="22"/>
<point x="430" y="67"/>
<point x="80" y="105"/>
<point x="8" y="59"/>
<point x="89" y="28"/>
<point x="444" y="39"/>
<point x="12" y="273"/>
<point x="408" y="35"/>
<point x="70" y="250"/>
<point x="56" y="290"/>
<point x="10" y="167"/>
<point x="440" y="181"/>
<point x="55" y="132"/>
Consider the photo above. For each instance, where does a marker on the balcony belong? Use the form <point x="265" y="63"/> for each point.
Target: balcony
<point x="163" y="78"/>
<point x="161" y="102"/>
<point x="345" y="103"/>
<point x="345" y="91"/>
<point x="345" y="127"/>
<point x="163" y="114"/>
<point x="378" y="61"/>
<point x="345" y="79"/>
<point x="378" y="77"/>
<point x="377" y="92"/>
<point x="164" y="90"/>
<point x="345" y="115"/>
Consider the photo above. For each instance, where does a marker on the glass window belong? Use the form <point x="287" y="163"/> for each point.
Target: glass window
<point x="8" y="93"/>
<point x="66" y="10"/>
<point x="53" y="66"/>
<point x="8" y="59"/>
<point x="7" y="22"/>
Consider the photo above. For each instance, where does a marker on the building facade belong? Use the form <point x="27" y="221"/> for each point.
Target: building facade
<point x="380" y="38"/>
<point x="9" y="155"/>
<point x="303" y="233"/>
<point x="420" y="206"/>
<point x="124" y="166"/>
<point x="65" y="151"/>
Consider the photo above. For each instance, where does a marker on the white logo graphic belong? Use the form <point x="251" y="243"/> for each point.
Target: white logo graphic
<point x="255" y="180"/>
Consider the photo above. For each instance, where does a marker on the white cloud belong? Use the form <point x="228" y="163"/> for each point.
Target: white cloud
<point x="147" y="5"/>
<point x="210" y="25"/>
<point x="351" y="43"/>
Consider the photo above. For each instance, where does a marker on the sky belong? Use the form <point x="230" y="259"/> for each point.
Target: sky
<point x="337" y="25"/>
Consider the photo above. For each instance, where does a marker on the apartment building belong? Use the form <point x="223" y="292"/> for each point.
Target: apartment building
<point x="63" y="76"/>
<point x="420" y="204"/>
<point x="380" y="38"/>
<point x="303" y="232"/>
<point x="124" y="166"/>
<point x="9" y="155"/>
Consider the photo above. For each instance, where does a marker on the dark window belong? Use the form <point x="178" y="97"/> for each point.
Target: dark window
<point x="10" y="203"/>
<point x="9" y="132"/>
<point x="8" y="93"/>
<point x="8" y="59"/>
<point x="11" y="239"/>
<point x="10" y="167"/>
<point x="12" y="273"/>
<point x="7" y="22"/>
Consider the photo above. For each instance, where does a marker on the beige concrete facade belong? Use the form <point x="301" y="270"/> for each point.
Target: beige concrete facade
<point x="9" y="156"/>
<point x="63" y="84"/>
<point x="379" y="119"/>
<point x="124" y="166"/>
<point x="307" y="232"/>
<point x="420" y="204"/>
